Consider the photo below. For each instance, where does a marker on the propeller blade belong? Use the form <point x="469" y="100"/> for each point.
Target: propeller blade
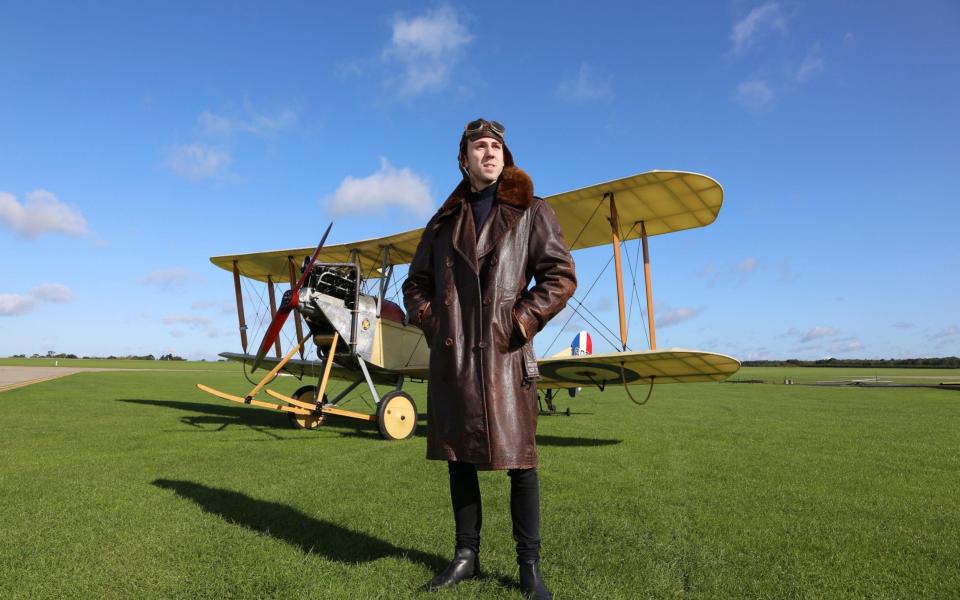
<point x="289" y="302"/>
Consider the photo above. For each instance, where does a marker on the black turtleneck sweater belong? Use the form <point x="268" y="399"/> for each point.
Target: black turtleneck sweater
<point x="481" y="202"/>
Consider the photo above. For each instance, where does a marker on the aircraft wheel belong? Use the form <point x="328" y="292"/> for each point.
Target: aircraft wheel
<point x="397" y="416"/>
<point x="306" y="394"/>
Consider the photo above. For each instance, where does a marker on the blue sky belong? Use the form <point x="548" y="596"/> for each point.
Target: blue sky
<point x="137" y="142"/>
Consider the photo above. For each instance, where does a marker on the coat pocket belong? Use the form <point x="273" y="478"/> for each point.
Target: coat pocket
<point x="428" y="324"/>
<point x="503" y="326"/>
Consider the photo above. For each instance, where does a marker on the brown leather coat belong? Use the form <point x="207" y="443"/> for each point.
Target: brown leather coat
<point x="471" y="298"/>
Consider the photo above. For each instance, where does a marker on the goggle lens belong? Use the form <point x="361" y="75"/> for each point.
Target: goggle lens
<point x="480" y="124"/>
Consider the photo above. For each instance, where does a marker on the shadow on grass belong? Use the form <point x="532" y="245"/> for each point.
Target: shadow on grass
<point x="310" y="535"/>
<point x="258" y="419"/>
<point x="556" y="440"/>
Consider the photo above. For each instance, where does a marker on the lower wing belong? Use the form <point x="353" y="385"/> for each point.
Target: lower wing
<point x="674" y="365"/>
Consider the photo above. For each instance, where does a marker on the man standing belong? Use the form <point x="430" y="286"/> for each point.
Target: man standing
<point x="467" y="289"/>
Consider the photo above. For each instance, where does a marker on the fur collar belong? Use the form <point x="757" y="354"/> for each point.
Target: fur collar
<point x="515" y="189"/>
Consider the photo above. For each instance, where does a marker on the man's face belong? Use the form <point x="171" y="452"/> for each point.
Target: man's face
<point x="484" y="161"/>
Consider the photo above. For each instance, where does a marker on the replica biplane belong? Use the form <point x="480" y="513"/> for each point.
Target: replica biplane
<point x="363" y="337"/>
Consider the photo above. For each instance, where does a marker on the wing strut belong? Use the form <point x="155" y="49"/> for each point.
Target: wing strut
<point x="649" y="286"/>
<point x="243" y="321"/>
<point x="615" y="230"/>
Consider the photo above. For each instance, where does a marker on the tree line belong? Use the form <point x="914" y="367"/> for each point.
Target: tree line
<point x="946" y="362"/>
<point x="52" y="354"/>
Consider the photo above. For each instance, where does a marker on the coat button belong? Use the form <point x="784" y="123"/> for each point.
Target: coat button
<point x="448" y="261"/>
<point x="449" y="342"/>
<point x="486" y="301"/>
<point x="447" y="301"/>
<point x="493" y="260"/>
<point x="482" y="345"/>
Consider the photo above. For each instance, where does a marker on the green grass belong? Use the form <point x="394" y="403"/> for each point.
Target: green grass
<point x="136" y="485"/>
<point x="104" y="363"/>
<point x="815" y="374"/>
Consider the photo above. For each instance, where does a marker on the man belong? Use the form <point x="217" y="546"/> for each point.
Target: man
<point x="467" y="291"/>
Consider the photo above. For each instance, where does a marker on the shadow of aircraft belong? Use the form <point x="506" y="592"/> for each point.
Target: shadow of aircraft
<point x="261" y="420"/>
<point x="309" y="534"/>
<point x="556" y="440"/>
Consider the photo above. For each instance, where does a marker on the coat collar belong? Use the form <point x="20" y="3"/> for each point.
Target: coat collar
<point x="514" y="196"/>
<point x="515" y="189"/>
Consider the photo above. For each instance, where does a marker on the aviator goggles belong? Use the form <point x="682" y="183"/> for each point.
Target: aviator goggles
<point x="479" y="125"/>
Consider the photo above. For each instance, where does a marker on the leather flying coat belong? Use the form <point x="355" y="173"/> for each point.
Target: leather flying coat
<point x="469" y="293"/>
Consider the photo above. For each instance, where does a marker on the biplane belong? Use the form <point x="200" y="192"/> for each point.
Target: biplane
<point x="362" y="337"/>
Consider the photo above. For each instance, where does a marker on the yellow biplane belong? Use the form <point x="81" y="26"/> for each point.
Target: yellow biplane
<point x="362" y="337"/>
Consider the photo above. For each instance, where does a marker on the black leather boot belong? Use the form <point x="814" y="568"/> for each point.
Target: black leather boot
<point x="531" y="581"/>
<point x="465" y="565"/>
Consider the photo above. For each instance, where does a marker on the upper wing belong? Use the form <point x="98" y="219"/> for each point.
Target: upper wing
<point x="257" y="265"/>
<point x="674" y="365"/>
<point x="664" y="200"/>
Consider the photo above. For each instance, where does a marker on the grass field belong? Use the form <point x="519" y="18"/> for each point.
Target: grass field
<point x="103" y="363"/>
<point x="136" y="485"/>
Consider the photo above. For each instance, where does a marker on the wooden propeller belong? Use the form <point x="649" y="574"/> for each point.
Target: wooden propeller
<point x="287" y="304"/>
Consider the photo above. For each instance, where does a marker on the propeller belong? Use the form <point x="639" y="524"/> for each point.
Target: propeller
<point x="287" y="304"/>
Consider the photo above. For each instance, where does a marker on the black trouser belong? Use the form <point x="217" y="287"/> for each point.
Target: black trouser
<point x="524" y="508"/>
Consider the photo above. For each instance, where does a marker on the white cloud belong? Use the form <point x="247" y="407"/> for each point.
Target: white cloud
<point x="41" y="213"/>
<point x="187" y="320"/>
<point x="16" y="304"/>
<point x="949" y="332"/>
<point x="197" y="161"/>
<point x="182" y="324"/>
<point x="845" y="345"/>
<point x="678" y="315"/>
<point x="250" y="121"/>
<point x="785" y="273"/>
<point x="748" y="265"/>
<point x="755" y="94"/>
<point x="428" y="47"/>
<point x="707" y="272"/>
<point x="817" y="333"/>
<point x="223" y="307"/>
<point x="21" y="304"/>
<point x="811" y="66"/>
<point x="760" y="22"/>
<point x="586" y="86"/>
<point x="170" y="278"/>
<point x="53" y="292"/>
<point x="389" y="186"/>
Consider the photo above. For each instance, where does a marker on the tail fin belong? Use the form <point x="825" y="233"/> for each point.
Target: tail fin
<point x="582" y="344"/>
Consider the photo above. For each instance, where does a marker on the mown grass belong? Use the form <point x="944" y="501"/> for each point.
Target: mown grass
<point x="119" y="363"/>
<point x="135" y="484"/>
<point x="824" y="374"/>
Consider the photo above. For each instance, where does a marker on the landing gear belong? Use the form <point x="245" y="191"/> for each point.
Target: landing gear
<point x="397" y="416"/>
<point x="308" y="394"/>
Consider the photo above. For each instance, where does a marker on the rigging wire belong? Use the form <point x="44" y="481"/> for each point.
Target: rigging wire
<point x="635" y="294"/>
<point x="587" y="222"/>
<point x="579" y="234"/>
<point x="574" y="312"/>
